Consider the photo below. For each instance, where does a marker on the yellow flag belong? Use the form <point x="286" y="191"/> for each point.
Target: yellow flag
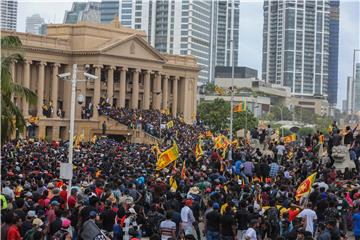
<point x="167" y="157"/>
<point x="173" y="184"/>
<point x="156" y="150"/>
<point x="198" y="151"/>
<point x="305" y="186"/>
<point x="170" y="124"/>
<point x="93" y="139"/>
<point x="290" y="138"/>
<point x="219" y="90"/>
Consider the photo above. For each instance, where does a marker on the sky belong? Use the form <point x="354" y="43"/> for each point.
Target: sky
<point x="251" y="26"/>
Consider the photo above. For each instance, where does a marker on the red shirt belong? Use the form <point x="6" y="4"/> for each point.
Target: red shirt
<point x="13" y="233"/>
<point x="71" y="202"/>
<point x="98" y="191"/>
<point x="63" y="195"/>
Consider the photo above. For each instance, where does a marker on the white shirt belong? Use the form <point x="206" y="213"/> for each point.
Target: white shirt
<point x="280" y="149"/>
<point x="250" y="234"/>
<point x="187" y="217"/>
<point x="310" y="216"/>
<point x="166" y="227"/>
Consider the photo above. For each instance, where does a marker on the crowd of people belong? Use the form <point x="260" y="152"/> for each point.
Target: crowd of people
<point x="117" y="193"/>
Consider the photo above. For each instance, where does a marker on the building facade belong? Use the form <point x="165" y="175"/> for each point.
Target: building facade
<point x="9" y="14"/>
<point x="34" y="24"/>
<point x="296" y="45"/>
<point x="357" y="89"/>
<point x="130" y="72"/>
<point x="349" y="94"/>
<point x="333" y="51"/>
<point x="175" y="27"/>
<point x="83" y="11"/>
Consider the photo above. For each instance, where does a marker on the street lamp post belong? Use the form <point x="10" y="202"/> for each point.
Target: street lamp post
<point x="353" y="87"/>
<point x="72" y="114"/>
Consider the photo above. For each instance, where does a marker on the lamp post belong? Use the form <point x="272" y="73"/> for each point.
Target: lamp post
<point x="158" y="93"/>
<point x="74" y="81"/>
<point x="232" y="80"/>
<point x="353" y="87"/>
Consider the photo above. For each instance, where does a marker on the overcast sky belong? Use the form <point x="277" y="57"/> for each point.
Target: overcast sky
<point x="251" y="21"/>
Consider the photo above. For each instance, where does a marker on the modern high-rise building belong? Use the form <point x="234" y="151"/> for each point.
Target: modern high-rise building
<point x="357" y="89"/>
<point x="199" y="28"/>
<point x="34" y="23"/>
<point x="296" y="45"/>
<point x="9" y="14"/>
<point x="83" y="11"/>
<point x="333" y="51"/>
<point x="349" y="94"/>
<point x="109" y="9"/>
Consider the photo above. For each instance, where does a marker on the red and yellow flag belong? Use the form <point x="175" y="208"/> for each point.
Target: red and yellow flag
<point x="208" y="134"/>
<point x="198" y="151"/>
<point x="290" y="138"/>
<point x="305" y="186"/>
<point x="183" y="170"/>
<point x="167" y="157"/>
<point x="321" y="139"/>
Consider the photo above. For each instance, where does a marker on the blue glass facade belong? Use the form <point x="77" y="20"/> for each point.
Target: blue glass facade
<point x="109" y="9"/>
<point x="333" y="51"/>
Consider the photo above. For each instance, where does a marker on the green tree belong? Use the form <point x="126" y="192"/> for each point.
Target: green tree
<point x="323" y="122"/>
<point x="216" y="115"/>
<point x="11" y="117"/>
<point x="305" y="115"/>
<point x="276" y="113"/>
<point x="209" y="88"/>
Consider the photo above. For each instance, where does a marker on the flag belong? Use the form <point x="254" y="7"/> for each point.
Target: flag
<point x="240" y="107"/>
<point x="198" y="151"/>
<point x="93" y="139"/>
<point x="221" y="142"/>
<point x="321" y="139"/>
<point x="290" y="138"/>
<point x="290" y="155"/>
<point x="305" y="186"/>
<point x="208" y="134"/>
<point x="330" y="128"/>
<point x="170" y="124"/>
<point x="183" y="170"/>
<point x="219" y="90"/>
<point x="235" y="144"/>
<point x="167" y="157"/>
<point x="173" y="184"/>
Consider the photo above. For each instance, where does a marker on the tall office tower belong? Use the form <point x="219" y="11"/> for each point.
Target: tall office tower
<point x="349" y="94"/>
<point x="224" y="28"/>
<point x="34" y="23"/>
<point x="173" y="26"/>
<point x="109" y="9"/>
<point x="356" y="91"/>
<point x="333" y="51"/>
<point x="9" y="14"/>
<point x="296" y="45"/>
<point x="83" y="11"/>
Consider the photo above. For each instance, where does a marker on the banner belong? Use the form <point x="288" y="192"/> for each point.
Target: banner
<point x="167" y="157"/>
<point x="305" y="186"/>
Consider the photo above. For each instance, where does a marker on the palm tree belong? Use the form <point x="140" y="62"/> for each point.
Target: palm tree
<point x="11" y="116"/>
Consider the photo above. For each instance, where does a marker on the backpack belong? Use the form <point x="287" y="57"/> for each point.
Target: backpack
<point x="30" y="234"/>
<point x="273" y="216"/>
<point x="60" y="235"/>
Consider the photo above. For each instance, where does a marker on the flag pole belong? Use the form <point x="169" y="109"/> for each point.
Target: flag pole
<point x="232" y="82"/>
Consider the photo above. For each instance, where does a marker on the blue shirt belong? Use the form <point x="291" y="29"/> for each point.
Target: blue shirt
<point x="238" y="165"/>
<point x="356" y="224"/>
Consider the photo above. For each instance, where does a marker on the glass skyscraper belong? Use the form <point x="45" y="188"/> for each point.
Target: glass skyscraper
<point x="333" y="51"/>
<point x="9" y="14"/>
<point x="296" y="45"/>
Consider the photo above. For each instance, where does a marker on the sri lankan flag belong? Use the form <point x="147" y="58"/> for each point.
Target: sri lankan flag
<point x="170" y="124"/>
<point x="167" y="157"/>
<point x="240" y="107"/>
<point x="305" y="186"/>
<point x="173" y="184"/>
<point x="219" y="90"/>
<point x="183" y="170"/>
<point x="198" y="150"/>
<point x="290" y="138"/>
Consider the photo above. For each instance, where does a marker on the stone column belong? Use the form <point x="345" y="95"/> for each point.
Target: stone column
<point x="26" y="83"/>
<point x="13" y="70"/>
<point x="97" y="90"/>
<point x="55" y="87"/>
<point x="146" y="104"/>
<point x="135" y="89"/>
<point x="174" y="96"/>
<point x="110" y="83"/>
<point x="157" y="91"/>
<point x="122" y="88"/>
<point x="55" y="132"/>
<point x="40" y="88"/>
<point x="165" y="94"/>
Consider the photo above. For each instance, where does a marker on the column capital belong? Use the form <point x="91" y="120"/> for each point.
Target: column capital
<point x="26" y="61"/>
<point x="123" y="68"/>
<point x="42" y="63"/>
<point x="167" y="77"/>
<point x="56" y="65"/>
<point x="157" y="73"/>
<point x="136" y="70"/>
<point x="111" y="67"/>
<point x="98" y="66"/>
<point x="146" y="71"/>
<point x="13" y="61"/>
